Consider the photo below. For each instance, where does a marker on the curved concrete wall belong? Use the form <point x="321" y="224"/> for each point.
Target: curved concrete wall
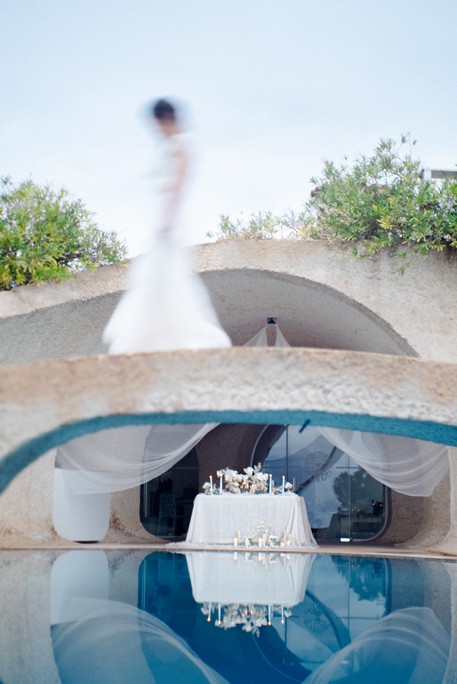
<point x="321" y="296"/>
<point x="349" y="389"/>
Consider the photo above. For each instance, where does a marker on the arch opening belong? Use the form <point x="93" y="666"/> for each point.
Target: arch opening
<point x="25" y="454"/>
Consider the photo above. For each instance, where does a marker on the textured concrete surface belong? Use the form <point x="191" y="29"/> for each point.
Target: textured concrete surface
<point x="186" y="386"/>
<point x="323" y="299"/>
<point x="321" y="295"/>
<point x="46" y="403"/>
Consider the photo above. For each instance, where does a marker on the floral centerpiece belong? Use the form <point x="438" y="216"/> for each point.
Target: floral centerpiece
<point x="252" y="481"/>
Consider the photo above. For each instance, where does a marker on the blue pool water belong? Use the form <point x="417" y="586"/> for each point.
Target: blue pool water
<point x="98" y="616"/>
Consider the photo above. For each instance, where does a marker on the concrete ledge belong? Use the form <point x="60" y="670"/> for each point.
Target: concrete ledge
<point x="47" y="403"/>
<point x="322" y="296"/>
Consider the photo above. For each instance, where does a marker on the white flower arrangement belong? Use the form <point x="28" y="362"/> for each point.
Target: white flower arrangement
<point x="252" y="481"/>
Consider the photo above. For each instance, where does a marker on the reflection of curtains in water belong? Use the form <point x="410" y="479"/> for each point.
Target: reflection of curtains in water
<point x="115" y="643"/>
<point x="129" y="456"/>
<point x="408" y="646"/>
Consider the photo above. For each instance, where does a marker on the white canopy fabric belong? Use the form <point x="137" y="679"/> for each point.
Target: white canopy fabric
<point x="125" y="457"/>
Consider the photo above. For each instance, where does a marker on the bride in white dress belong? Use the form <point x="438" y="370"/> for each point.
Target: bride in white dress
<point x="166" y="306"/>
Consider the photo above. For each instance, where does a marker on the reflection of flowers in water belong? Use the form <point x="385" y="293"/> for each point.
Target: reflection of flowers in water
<point x="250" y="617"/>
<point x="264" y="559"/>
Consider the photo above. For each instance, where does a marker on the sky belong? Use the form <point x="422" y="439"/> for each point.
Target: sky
<point x="271" y="88"/>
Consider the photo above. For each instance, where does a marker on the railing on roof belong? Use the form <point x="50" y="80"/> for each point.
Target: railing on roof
<point x="438" y="174"/>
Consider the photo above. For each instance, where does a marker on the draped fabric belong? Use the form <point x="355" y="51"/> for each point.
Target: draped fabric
<point x="125" y="457"/>
<point x="408" y="646"/>
<point x="409" y="466"/>
<point x="121" y="458"/>
<point x="118" y="643"/>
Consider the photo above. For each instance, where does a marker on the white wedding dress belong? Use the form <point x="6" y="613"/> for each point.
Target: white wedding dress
<point x="166" y="306"/>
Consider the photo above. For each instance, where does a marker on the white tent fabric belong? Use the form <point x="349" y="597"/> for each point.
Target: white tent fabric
<point x="121" y="458"/>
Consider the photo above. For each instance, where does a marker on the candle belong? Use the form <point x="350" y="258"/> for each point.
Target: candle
<point x="235" y="541"/>
<point x="269" y="485"/>
<point x="269" y="615"/>
<point x="283" y="484"/>
<point x="220" y="484"/>
<point x="282" y="615"/>
<point x="211" y="484"/>
<point x="294" y="483"/>
<point x="209" y="613"/>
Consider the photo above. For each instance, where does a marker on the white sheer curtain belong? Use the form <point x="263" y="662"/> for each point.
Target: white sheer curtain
<point x="409" y="466"/>
<point x="121" y="458"/>
<point x="125" y="457"/>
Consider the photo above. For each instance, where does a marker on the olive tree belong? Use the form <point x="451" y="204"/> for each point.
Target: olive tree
<point x="45" y="234"/>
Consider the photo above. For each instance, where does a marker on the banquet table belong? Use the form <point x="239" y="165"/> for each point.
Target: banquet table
<point x="217" y="519"/>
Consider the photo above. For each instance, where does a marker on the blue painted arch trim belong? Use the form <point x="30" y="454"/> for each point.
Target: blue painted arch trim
<point x="20" y="458"/>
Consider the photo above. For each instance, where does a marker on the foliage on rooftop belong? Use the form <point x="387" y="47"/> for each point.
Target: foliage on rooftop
<point x="45" y="234"/>
<point x="377" y="202"/>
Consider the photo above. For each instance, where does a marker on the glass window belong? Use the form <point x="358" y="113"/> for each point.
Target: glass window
<point x="344" y="502"/>
<point x="166" y="502"/>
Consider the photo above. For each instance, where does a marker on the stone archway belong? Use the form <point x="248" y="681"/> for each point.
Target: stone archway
<point x="348" y="389"/>
<point x="323" y="298"/>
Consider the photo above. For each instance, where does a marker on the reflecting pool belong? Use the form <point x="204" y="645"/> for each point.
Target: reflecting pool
<point x="90" y="615"/>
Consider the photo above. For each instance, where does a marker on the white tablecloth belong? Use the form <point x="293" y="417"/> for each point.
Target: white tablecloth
<point x="216" y="519"/>
<point x="253" y="578"/>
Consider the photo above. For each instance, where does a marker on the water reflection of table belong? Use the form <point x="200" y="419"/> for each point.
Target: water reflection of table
<point x="217" y="519"/>
<point x="249" y="578"/>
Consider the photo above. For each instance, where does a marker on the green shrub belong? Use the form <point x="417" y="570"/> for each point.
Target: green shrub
<point x="262" y="226"/>
<point x="377" y="202"/>
<point x="47" y="235"/>
<point x="383" y="201"/>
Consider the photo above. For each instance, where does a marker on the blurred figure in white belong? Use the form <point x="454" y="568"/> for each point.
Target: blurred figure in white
<point x="166" y="306"/>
